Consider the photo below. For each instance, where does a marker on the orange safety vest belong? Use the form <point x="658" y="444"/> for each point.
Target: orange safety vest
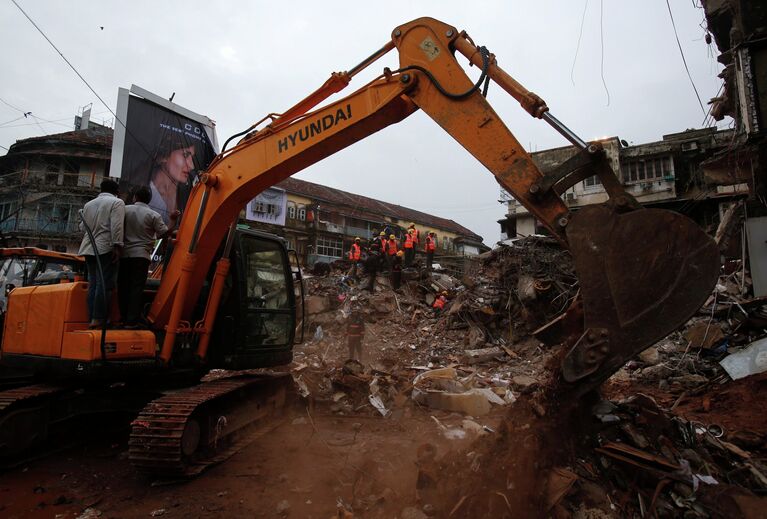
<point x="439" y="303"/>
<point x="354" y="253"/>
<point x="430" y="245"/>
<point x="416" y="235"/>
<point x="391" y="247"/>
<point x="409" y="241"/>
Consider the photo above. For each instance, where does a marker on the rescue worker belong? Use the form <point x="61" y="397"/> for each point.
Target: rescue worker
<point x="355" y="253"/>
<point x="409" y="247"/>
<point x="379" y="243"/>
<point x="429" y="247"/>
<point x="395" y="275"/>
<point x="416" y="235"/>
<point x="391" y="250"/>
<point x="355" y="333"/>
<point x="439" y="303"/>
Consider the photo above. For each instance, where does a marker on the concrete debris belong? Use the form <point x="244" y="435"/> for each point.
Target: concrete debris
<point x="476" y="356"/>
<point x="749" y="361"/>
<point x="482" y="355"/>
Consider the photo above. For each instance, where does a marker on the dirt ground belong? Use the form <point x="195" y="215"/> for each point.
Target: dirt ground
<point x="304" y="467"/>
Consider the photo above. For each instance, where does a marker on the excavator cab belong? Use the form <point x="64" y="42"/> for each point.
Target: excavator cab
<point x="256" y="323"/>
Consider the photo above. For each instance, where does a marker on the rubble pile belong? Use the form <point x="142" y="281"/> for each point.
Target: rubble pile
<point x="680" y="434"/>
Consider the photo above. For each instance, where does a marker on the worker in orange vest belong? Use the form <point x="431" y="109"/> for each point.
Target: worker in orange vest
<point x="391" y="250"/>
<point x="416" y="235"/>
<point x="429" y="247"/>
<point x="355" y="253"/>
<point x="409" y="247"/>
<point x="439" y="303"/>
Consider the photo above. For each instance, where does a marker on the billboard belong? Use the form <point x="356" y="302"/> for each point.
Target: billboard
<point x="160" y="145"/>
<point x="269" y="206"/>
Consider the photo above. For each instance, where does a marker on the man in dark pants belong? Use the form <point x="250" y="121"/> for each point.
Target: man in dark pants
<point x="143" y="226"/>
<point x="104" y="217"/>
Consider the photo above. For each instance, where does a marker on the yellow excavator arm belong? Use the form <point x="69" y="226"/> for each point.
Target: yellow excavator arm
<point x="643" y="272"/>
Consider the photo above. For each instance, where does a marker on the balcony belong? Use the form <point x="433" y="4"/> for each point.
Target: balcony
<point x="39" y="226"/>
<point x="365" y="234"/>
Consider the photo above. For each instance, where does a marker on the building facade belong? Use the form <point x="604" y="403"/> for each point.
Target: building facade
<point x="45" y="181"/>
<point x="666" y="174"/>
<point x="321" y="223"/>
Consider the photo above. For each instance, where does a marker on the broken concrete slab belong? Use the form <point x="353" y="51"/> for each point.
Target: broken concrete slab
<point x="316" y="304"/>
<point x="482" y="355"/>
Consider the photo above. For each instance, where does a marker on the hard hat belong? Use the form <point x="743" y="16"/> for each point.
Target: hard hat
<point x="411" y="230"/>
<point x="412" y="225"/>
<point x="381" y="233"/>
<point x="444" y="292"/>
<point x="357" y="238"/>
<point x="392" y="237"/>
<point x="400" y="254"/>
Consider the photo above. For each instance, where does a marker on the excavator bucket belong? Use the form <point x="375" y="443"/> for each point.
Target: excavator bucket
<point x="643" y="274"/>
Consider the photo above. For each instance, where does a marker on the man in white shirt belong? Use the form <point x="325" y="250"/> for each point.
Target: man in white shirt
<point x="143" y="226"/>
<point x="104" y="216"/>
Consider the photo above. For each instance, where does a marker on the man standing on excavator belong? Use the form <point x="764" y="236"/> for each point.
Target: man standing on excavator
<point x="103" y="218"/>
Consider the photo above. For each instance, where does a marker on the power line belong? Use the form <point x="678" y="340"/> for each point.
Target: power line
<point x="602" y="41"/>
<point x="6" y="103"/>
<point x="81" y="77"/>
<point x="12" y="120"/>
<point x="578" y="45"/>
<point x="676" y="35"/>
<point x="66" y="60"/>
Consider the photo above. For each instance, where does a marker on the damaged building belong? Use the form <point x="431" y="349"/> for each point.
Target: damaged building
<point x="667" y="174"/>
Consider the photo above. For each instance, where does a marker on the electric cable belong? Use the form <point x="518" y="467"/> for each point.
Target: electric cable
<point x="578" y="45"/>
<point x="6" y="103"/>
<point x="81" y="77"/>
<point x="676" y="35"/>
<point x="602" y="41"/>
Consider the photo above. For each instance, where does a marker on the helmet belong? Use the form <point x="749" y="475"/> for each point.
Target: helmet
<point x="411" y="231"/>
<point x="411" y="226"/>
<point x="400" y="254"/>
<point x="392" y="237"/>
<point x="357" y="238"/>
<point x="444" y="292"/>
<point x="381" y="233"/>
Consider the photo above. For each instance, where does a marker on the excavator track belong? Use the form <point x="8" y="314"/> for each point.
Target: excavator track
<point x="24" y="416"/>
<point x="37" y="420"/>
<point x="182" y="433"/>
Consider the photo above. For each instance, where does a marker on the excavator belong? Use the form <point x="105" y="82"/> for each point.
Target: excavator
<point x="228" y="298"/>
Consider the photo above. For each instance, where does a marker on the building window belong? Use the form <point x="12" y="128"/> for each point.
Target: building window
<point x="327" y="246"/>
<point x="52" y="168"/>
<point x="291" y="210"/>
<point x="649" y="169"/>
<point x="592" y="182"/>
<point x="302" y="213"/>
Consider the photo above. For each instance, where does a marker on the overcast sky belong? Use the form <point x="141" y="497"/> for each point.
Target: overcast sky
<point x="237" y="61"/>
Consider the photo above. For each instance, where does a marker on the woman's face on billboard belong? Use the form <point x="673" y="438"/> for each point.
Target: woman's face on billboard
<point x="180" y="164"/>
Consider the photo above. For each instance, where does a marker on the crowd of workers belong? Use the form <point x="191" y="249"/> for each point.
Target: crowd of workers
<point x="117" y="246"/>
<point x="385" y="251"/>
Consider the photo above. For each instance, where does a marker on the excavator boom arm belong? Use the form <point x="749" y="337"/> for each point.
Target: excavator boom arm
<point x="634" y="292"/>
